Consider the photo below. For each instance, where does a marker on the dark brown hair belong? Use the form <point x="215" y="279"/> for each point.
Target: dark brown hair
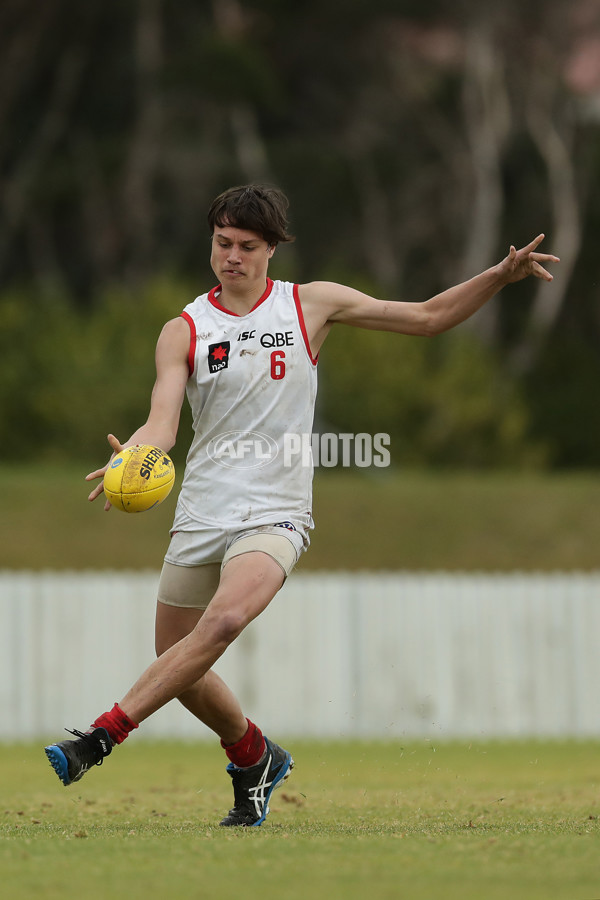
<point x="253" y="207"/>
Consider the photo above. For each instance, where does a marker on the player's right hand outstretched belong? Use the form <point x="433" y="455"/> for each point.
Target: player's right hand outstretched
<point x="520" y="264"/>
<point x="99" y="473"/>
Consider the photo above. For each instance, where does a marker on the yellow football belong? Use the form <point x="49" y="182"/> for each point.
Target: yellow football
<point x="139" y="478"/>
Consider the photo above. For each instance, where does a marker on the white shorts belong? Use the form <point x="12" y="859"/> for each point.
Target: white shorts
<point x="194" y="560"/>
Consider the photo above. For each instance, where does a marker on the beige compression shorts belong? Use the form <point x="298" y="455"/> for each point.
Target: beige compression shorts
<point x="190" y="574"/>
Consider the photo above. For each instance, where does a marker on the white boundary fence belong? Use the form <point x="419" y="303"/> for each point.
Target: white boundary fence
<point x="335" y="655"/>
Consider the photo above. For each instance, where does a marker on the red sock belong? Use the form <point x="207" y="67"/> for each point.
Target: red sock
<point x="117" y="723"/>
<point x="247" y="751"/>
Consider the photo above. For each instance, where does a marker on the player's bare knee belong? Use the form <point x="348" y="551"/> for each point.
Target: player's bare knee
<point x="225" y="625"/>
<point x="230" y="625"/>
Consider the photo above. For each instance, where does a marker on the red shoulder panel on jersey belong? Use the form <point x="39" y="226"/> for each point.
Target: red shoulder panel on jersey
<point x="314" y="359"/>
<point x="192" y="350"/>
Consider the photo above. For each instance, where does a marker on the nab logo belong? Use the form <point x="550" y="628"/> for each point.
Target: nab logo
<point x="218" y="356"/>
<point x="242" y="450"/>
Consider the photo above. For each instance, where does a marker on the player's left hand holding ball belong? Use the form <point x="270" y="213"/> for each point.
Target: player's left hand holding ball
<point x="136" y="478"/>
<point x="117" y="447"/>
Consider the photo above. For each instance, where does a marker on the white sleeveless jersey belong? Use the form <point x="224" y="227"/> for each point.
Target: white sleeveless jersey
<point x="252" y="390"/>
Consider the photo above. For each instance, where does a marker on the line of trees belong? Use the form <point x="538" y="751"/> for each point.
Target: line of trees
<point x="416" y="142"/>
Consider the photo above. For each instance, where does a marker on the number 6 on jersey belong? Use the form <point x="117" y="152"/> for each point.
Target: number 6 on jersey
<point x="277" y="365"/>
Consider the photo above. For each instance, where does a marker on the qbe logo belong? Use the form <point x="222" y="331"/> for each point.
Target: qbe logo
<point x="242" y="449"/>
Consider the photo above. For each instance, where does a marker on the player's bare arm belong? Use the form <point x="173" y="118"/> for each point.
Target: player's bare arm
<point x="325" y="303"/>
<point x="160" y="428"/>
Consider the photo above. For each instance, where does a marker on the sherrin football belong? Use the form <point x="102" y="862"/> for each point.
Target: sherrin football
<point x="139" y="478"/>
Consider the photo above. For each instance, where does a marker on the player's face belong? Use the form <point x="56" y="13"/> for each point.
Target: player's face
<point x="239" y="258"/>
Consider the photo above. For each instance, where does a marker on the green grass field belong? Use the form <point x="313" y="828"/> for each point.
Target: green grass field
<point x="354" y="821"/>
<point x="395" y="520"/>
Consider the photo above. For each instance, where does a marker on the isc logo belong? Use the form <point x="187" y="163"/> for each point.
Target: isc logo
<point x="242" y="449"/>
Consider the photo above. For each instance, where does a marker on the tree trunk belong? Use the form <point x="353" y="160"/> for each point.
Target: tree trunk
<point x="487" y="123"/>
<point x="554" y="148"/>
<point x="146" y="142"/>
